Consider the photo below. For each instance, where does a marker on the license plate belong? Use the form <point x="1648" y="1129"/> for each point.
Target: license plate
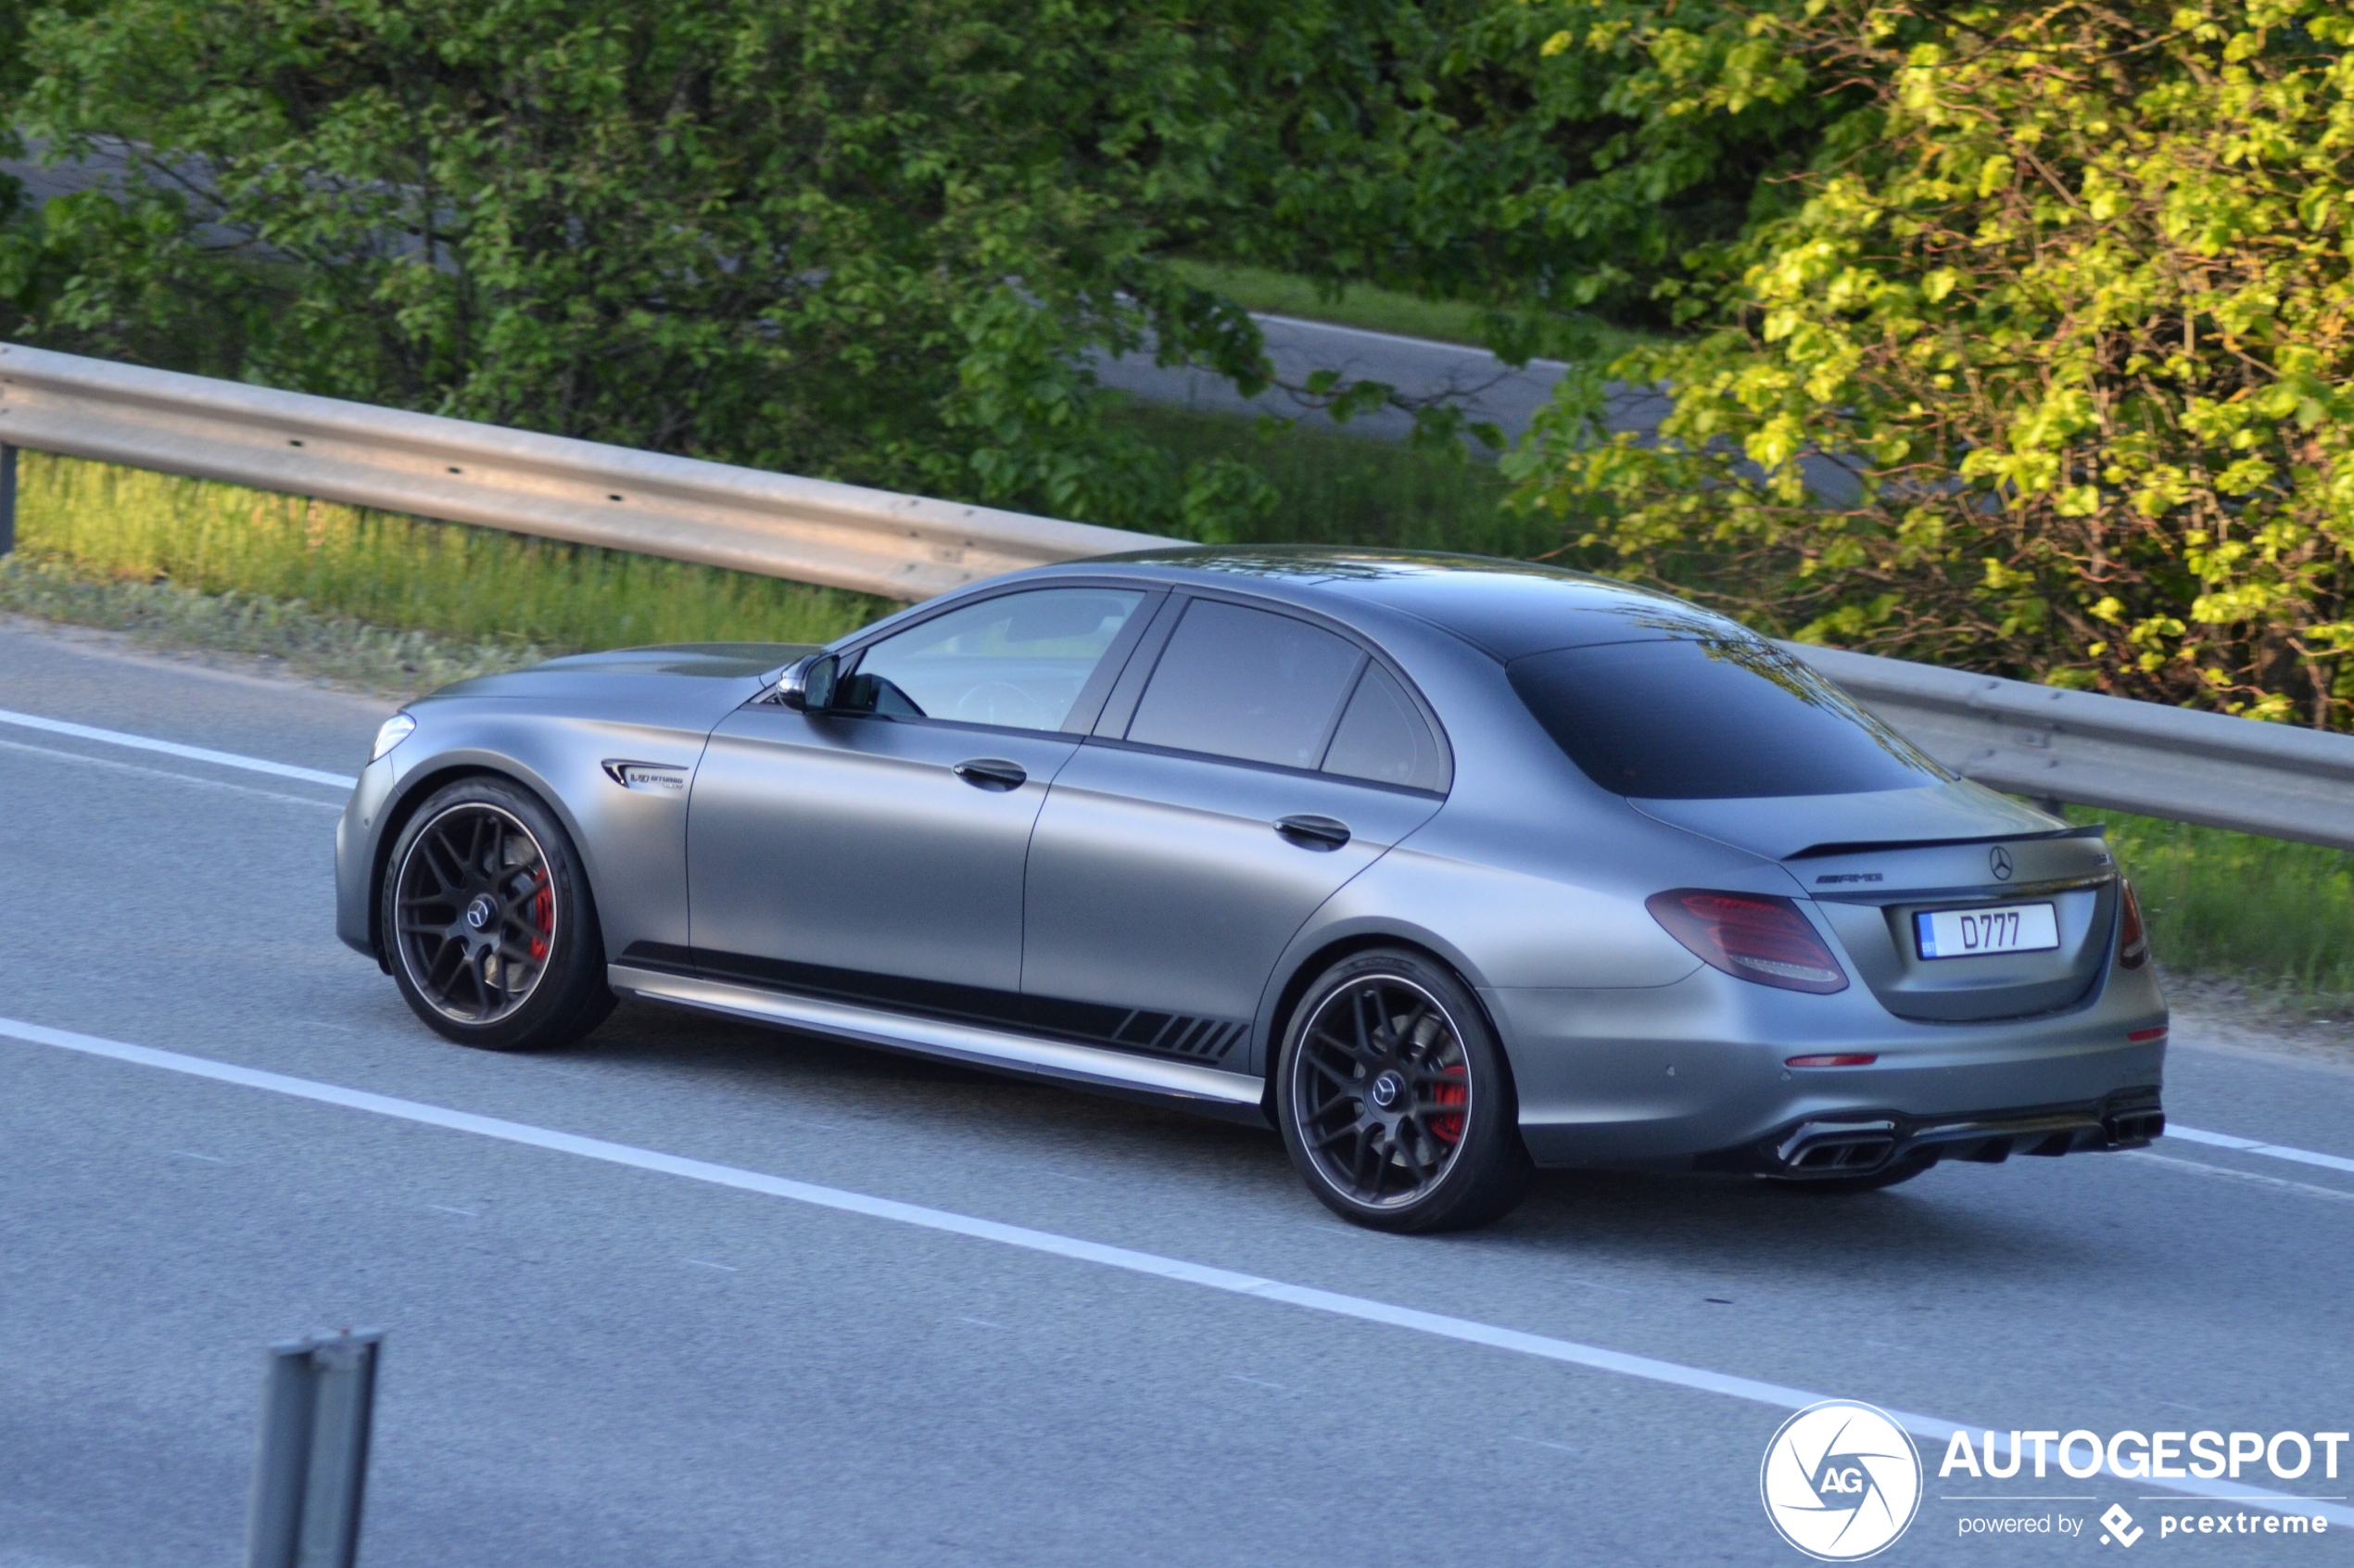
<point x="1972" y="933"/>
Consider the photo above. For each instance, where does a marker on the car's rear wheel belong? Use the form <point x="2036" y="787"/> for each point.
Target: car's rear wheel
<point x="1395" y="1100"/>
<point x="487" y="914"/>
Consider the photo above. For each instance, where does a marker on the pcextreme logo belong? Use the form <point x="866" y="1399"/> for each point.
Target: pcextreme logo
<point x="1841" y="1481"/>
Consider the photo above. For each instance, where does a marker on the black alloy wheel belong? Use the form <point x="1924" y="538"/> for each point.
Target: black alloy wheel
<point x="1395" y="1101"/>
<point x="493" y="936"/>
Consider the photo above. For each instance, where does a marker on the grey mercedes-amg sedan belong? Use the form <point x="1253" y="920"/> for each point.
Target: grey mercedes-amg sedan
<point x="1446" y="867"/>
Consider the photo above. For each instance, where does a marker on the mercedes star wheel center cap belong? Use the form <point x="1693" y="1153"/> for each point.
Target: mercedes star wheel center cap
<point x="1386" y="1088"/>
<point x="481" y="911"/>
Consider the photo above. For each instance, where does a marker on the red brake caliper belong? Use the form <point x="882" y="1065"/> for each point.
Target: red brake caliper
<point x="1454" y="1092"/>
<point x="543" y="917"/>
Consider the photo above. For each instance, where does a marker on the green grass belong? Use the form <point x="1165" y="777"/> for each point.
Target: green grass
<point x="286" y="635"/>
<point x="472" y="585"/>
<point x="1339" y="488"/>
<point x="98" y="522"/>
<point x="1378" y="310"/>
<point x="2277" y="914"/>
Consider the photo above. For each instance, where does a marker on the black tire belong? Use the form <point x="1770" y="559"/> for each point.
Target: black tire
<point x="1444" y="1152"/>
<point x="1902" y="1171"/>
<point x="488" y="923"/>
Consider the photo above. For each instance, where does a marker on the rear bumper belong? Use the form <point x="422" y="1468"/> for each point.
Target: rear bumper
<point x="1698" y="1074"/>
<point x="1861" y="1144"/>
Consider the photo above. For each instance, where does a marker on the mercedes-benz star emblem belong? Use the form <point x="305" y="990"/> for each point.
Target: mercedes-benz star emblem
<point x="1385" y="1090"/>
<point x="2000" y="859"/>
<point x="479" y="912"/>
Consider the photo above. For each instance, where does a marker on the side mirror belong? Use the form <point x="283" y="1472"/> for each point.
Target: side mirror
<point x="809" y="687"/>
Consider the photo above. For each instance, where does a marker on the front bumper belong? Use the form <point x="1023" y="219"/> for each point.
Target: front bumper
<point x="358" y="832"/>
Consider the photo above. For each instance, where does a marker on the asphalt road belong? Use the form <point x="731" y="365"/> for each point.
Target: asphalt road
<point x="593" y="1362"/>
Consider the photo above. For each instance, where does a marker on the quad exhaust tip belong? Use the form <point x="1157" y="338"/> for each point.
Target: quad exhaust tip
<point x="1859" y="1148"/>
<point x="1847" y="1148"/>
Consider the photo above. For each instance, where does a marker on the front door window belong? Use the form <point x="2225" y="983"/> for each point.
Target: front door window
<point x="1018" y="661"/>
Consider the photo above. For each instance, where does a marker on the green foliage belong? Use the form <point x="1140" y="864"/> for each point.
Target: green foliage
<point x="879" y="242"/>
<point x="1465" y="150"/>
<point x="2069" y="291"/>
<point x="476" y="585"/>
<point x="1330" y="487"/>
<point x="874" y="241"/>
<point x="2233" y="906"/>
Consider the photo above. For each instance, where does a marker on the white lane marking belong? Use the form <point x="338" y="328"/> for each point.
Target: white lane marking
<point x="173" y="749"/>
<point x="2305" y="1189"/>
<point x="707" y="1263"/>
<point x="114" y="766"/>
<point x="1465" y="1330"/>
<point x="445" y="1208"/>
<point x="2270" y="1151"/>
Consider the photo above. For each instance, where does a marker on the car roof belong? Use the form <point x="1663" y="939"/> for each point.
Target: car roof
<point x="1508" y="607"/>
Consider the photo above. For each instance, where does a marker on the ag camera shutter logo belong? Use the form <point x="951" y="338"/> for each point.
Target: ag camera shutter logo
<point x="1841" y="1481"/>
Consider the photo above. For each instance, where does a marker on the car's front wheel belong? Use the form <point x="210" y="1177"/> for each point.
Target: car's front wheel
<point x="1395" y="1100"/>
<point x="487" y="919"/>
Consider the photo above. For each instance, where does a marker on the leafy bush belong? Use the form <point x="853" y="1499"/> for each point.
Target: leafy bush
<point x="878" y="242"/>
<point x="2068" y="290"/>
<point x="2279" y="915"/>
<point x="873" y="241"/>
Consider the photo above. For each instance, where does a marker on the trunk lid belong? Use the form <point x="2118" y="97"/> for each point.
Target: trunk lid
<point x="1876" y="863"/>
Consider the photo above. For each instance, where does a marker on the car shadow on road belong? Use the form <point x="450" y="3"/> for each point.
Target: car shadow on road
<point x="1735" y="1224"/>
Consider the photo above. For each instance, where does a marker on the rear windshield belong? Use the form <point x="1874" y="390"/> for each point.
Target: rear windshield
<point x="1688" y="719"/>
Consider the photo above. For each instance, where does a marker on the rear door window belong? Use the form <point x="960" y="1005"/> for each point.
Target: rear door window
<point x="1018" y="661"/>
<point x="1249" y="684"/>
<point x="1715" y="719"/>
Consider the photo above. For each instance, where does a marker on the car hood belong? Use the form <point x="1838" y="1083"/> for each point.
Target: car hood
<point x="687" y="683"/>
<point x="1781" y="827"/>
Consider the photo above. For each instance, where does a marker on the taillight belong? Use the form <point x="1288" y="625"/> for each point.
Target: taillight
<point x="1755" y="937"/>
<point x="2132" y="942"/>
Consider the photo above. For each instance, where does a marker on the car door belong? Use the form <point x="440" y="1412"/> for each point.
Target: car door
<point x="1237" y="780"/>
<point x="874" y="850"/>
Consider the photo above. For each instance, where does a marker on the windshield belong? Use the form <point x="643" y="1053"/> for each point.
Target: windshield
<point x="1714" y="718"/>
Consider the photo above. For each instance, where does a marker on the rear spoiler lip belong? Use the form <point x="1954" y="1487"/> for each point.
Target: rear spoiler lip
<point x="1818" y="852"/>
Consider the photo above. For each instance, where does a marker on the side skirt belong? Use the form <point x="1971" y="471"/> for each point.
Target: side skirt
<point x="1230" y="1095"/>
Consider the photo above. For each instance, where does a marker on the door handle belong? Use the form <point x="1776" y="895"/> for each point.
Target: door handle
<point x="992" y="773"/>
<point x="1313" y="832"/>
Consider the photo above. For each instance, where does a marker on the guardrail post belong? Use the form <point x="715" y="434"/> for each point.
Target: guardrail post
<point x="317" y="1401"/>
<point x="8" y="499"/>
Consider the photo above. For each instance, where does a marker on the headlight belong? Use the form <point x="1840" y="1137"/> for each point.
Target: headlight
<point x="396" y="729"/>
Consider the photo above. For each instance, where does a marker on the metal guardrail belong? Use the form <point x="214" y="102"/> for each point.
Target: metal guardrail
<point x="2032" y="740"/>
<point x="812" y="530"/>
<point x="2079" y="746"/>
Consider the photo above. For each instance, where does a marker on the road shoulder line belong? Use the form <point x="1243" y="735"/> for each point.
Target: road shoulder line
<point x="175" y="749"/>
